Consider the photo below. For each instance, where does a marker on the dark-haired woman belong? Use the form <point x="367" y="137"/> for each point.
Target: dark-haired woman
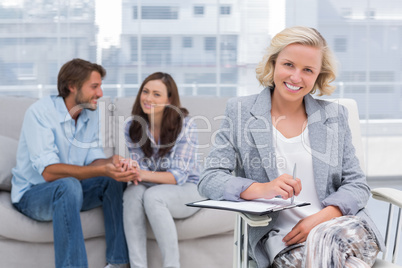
<point x="162" y="140"/>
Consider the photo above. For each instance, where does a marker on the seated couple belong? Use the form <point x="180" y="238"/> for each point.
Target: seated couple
<point x="61" y="169"/>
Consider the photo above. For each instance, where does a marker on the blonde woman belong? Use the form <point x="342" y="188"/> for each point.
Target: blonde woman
<point x="279" y="127"/>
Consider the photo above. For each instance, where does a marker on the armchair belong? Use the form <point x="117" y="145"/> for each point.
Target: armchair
<point x="394" y="198"/>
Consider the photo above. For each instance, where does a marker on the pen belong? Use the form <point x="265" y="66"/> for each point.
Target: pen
<point x="294" y="177"/>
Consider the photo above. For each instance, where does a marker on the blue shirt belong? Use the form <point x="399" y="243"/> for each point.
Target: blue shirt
<point x="181" y="160"/>
<point x="50" y="136"/>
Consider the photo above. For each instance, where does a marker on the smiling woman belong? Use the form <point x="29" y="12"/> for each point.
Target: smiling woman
<point x="163" y="143"/>
<point x="298" y="62"/>
<point x="327" y="66"/>
<point x="296" y="70"/>
<point x="154" y="98"/>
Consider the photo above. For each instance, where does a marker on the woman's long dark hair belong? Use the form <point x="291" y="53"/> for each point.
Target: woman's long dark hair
<point x="172" y="120"/>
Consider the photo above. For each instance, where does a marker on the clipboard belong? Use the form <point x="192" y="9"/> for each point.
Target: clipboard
<point x="258" y="207"/>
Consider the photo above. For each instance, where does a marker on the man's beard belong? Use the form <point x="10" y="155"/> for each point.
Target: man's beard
<point x="84" y="103"/>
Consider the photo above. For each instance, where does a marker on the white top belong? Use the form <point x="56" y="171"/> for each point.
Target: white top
<point x="288" y="152"/>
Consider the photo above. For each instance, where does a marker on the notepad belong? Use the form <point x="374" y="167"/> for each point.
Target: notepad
<point x="257" y="206"/>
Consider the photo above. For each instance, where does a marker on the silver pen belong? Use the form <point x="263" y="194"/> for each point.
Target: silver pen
<point x="294" y="177"/>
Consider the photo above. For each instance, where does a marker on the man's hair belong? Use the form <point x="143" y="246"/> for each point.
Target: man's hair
<point x="303" y="36"/>
<point x="75" y="73"/>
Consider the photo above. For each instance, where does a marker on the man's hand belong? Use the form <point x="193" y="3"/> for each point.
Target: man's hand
<point x="119" y="169"/>
<point x="116" y="160"/>
<point x="117" y="172"/>
<point x="112" y="167"/>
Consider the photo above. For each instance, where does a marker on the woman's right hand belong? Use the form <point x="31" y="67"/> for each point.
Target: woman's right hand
<point x="284" y="186"/>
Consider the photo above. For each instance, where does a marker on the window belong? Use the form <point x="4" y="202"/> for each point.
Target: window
<point x="134" y="49"/>
<point x="131" y="78"/>
<point x="228" y="49"/>
<point x="379" y="76"/>
<point x="199" y="80"/>
<point x="210" y="43"/>
<point x="187" y="42"/>
<point x="225" y="10"/>
<point x="157" y="13"/>
<point x="22" y="71"/>
<point x="340" y="44"/>
<point x="156" y="50"/>
<point x="346" y="12"/>
<point x="26" y="71"/>
<point x="135" y="12"/>
<point x="198" y="10"/>
<point x="10" y="13"/>
<point x="370" y="13"/>
<point x="352" y="76"/>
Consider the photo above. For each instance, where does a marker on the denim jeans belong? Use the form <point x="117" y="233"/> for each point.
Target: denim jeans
<point x="62" y="200"/>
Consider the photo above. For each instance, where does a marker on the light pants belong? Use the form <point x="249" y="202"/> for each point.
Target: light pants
<point x="62" y="200"/>
<point x="341" y="242"/>
<point x="160" y="204"/>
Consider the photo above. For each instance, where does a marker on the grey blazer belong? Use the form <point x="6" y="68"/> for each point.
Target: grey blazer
<point x="243" y="153"/>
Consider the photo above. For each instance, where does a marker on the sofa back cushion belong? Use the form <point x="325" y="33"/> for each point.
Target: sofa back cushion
<point x="122" y="113"/>
<point x="12" y="111"/>
<point x="8" y="155"/>
<point x="106" y="108"/>
<point x="207" y="112"/>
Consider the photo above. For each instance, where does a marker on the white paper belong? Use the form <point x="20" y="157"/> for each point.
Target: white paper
<point x="256" y="205"/>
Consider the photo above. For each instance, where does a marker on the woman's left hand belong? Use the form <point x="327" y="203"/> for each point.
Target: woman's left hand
<point x="135" y="167"/>
<point x="301" y="230"/>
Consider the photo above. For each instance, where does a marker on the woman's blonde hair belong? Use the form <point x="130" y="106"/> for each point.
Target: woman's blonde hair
<point x="304" y="36"/>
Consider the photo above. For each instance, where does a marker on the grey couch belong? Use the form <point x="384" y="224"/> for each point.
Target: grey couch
<point x="205" y="239"/>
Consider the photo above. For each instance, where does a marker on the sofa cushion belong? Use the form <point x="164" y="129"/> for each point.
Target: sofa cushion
<point x="8" y="154"/>
<point x="122" y="114"/>
<point x="106" y="109"/>
<point x="208" y="119"/>
<point x="12" y="115"/>
<point x="202" y="224"/>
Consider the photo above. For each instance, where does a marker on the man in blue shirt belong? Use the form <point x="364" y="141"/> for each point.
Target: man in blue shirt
<point x="62" y="170"/>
